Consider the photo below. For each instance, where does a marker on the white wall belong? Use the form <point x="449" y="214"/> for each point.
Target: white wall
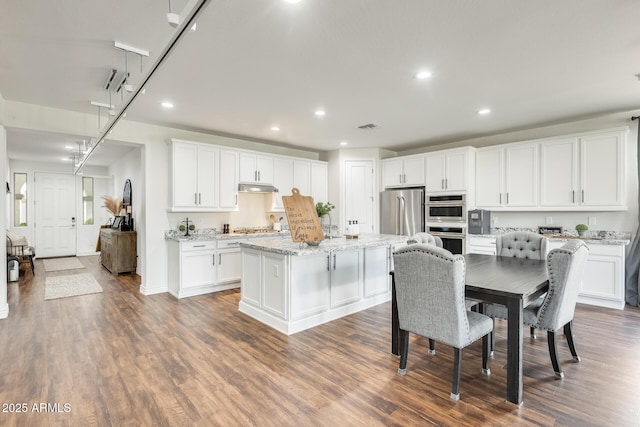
<point x="4" y="306"/>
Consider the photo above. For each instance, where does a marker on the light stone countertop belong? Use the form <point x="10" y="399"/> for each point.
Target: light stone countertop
<point x="288" y="247"/>
<point x="597" y="237"/>
<point x="177" y="237"/>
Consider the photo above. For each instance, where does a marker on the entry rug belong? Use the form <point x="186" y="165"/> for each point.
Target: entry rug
<point x="57" y="264"/>
<point x="70" y="286"/>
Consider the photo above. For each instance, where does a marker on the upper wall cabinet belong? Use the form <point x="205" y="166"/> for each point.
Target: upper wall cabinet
<point x="309" y="177"/>
<point x="204" y="178"/>
<point x="403" y="172"/>
<point x="577" y="172"/>
<point x="507" y="176"/>
<point x="585" y="171"/>
<point x="448" y="171"/>
<point x="256" y="168"/>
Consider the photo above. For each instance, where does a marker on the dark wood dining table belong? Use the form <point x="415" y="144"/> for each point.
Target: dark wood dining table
<point x="512" y="282"/>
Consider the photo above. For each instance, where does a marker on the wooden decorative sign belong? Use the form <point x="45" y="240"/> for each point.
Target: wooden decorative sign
<point x="302" y="217"/>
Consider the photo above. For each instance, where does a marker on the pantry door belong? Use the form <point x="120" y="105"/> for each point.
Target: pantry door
<point x="359" y="195"/>
<point x="55" y="209"/>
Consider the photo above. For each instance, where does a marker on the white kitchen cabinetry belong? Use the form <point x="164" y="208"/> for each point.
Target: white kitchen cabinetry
<point x="194" y="170"/>
<point x="204" y="178"/>
<point x="448" y="170"/>
<point x="228" y="180"/>
<point x="301" y="177"/>
<point x="292" y="293"/>
<point x="376" y="271"/>
<point x="507" y="176"/>
<point x="603" y="278"/>
<point x="602" y="170"/>
<point x="256" y="168"/>
<point x="559" y="170"/>
<point x="282" y="180"/>
<point x="199" y="267"/>
<point x="403" y="171"/>
<point x="346" y="277"/>
<point x="585" y="172"/>
<point x="485" y="245"/>
<point x="319" y="182"/>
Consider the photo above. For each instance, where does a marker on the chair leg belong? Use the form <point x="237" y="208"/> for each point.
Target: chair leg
<point x="485" y="355"/>
<point x="568" y="333"/>
<point x="432" y="346"/>
<point x="457" y="364"/>
<point x="492" y="338"/>
<point x="533" y="333"/>
<point x="403" y="336"/>
<point x="33" y="270"/>
<point x="553" y="352"/>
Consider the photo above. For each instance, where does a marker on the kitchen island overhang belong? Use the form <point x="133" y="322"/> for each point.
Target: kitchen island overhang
<point x="293" y="287"/>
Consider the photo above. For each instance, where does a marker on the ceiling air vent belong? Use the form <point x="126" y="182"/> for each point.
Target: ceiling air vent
<point x="368" y="126"/>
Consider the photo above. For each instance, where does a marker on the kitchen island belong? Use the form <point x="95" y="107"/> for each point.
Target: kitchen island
<point x="292" y="287"/>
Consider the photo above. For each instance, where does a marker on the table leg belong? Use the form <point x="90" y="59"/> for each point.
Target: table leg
<point x="394" y="318"/>
<point x="514" y="351"/>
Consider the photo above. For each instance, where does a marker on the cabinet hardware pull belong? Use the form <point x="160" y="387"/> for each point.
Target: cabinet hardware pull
<point x="500" y="195"/>
<point x="258" y="176"/>
<point x="195" y="198"/>
<point x="582" y="196"/>
<point x="328" y="262"/>
<point x="219" y="259"/>
<point x="334" y="261"/>
<point x="198" y="246"/>
<point x="404" y="178"/>
<point x="573" y="196"/>
<point x="214" y="259"/>
<point x="199" y="198"/>
<point x="400" y="178"/>
<point x="442" y="184"/>
<point x="507" y="198"/>
<point x="446" y="183"/>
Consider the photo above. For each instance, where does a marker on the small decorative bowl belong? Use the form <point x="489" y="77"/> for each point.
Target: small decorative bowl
<point x="313" y="243"/>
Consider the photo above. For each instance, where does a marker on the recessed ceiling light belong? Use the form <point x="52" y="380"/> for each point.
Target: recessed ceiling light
<point x="423" y="75"/>
<point x="275" y="128"/>
<point x="69" y="147"/>
<point x="320" y="113"/>
<point x="484" y="111"/>
<point x="343" y="143"/>
<point x="167" y="104"/>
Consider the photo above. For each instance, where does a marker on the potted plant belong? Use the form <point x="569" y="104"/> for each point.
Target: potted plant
<point x="323" y="209"/>
<point x="581" y="228"/>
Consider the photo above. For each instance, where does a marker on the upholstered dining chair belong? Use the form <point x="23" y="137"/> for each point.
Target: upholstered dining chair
<point x="521" y="244"/>
<point x="425" y="238"/>
<point x="19" y="247"/>
<point x="430" y="283"/>
<point x="565" y="266"/>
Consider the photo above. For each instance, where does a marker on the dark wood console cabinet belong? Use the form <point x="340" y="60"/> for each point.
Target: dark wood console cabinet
<point x="118" y="250"/>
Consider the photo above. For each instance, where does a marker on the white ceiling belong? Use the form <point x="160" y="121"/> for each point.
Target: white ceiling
<point x="253" y="64"/>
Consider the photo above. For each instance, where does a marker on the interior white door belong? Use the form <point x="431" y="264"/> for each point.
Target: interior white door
<point x="55" y="209"/>
<point x="359" y="197"/>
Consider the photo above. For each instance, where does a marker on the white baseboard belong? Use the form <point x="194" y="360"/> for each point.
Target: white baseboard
<point x="148" y="290"/>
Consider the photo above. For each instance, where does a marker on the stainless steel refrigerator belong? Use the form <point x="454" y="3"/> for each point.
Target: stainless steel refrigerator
<point x="402" y="211"/>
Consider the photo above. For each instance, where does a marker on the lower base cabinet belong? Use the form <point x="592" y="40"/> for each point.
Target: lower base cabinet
<point x="603" y="279"/>
<point x="293" y="293"/>
<point x="200" y="267"/>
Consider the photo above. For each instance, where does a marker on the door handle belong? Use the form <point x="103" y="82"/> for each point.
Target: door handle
<point x="73" y="221"/>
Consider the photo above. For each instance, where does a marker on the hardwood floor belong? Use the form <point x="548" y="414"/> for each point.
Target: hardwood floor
<point x="122" y="358"/>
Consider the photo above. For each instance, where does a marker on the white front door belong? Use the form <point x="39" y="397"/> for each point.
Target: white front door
<point x="359" y="198"/>
<point x="55" y="214"/>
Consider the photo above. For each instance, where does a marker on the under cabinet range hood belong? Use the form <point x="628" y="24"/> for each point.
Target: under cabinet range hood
<point x="257" y="188"/>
